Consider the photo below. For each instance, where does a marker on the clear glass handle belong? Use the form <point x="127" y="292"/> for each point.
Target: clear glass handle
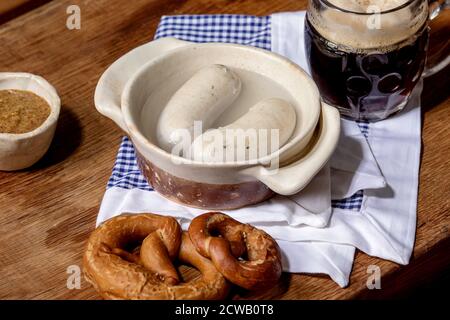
<point x="437" y="6"/>
<point x="439" y="49"/>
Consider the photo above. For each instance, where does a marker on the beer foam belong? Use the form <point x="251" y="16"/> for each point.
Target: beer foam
<point x="367" y="5"/>
<point x="361" y="32"/>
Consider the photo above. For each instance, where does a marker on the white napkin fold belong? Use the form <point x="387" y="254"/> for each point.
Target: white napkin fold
<point x="313" y="237"/>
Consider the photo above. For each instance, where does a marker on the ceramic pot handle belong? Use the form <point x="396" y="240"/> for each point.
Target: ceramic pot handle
<point x="111" y="84"/>
<point x="293" y="178"/>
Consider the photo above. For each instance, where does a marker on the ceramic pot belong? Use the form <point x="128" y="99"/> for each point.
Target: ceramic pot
<point x="135" y="89"/>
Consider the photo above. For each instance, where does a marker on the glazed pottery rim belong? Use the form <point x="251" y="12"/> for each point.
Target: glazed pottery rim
<point x="296" y="70"/>
<point x="54" y="104"/>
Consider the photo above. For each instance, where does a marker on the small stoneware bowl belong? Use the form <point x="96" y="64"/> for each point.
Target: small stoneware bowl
<point x="20" y="151"/>
<point x="135" y="89"/>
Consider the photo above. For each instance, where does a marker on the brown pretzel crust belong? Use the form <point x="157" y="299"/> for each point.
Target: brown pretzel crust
<point x="147" y="272"/>
<point x="262" y="267"/>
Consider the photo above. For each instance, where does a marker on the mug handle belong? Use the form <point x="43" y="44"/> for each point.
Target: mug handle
<point x="438" y="56"/>
<point x="292" y="178"/>
<point x="109" y="89"/>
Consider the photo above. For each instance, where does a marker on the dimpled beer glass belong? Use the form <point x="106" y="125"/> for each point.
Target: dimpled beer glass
<point x="366" y="56"/>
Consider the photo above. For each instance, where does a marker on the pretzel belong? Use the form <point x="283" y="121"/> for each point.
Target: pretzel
<point x="236" y="241"/>
<point x="117" y="271"/>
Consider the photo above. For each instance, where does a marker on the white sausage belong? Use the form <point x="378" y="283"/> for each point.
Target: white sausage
<point x="266" y="115"/>
<point x="204" y="97"/>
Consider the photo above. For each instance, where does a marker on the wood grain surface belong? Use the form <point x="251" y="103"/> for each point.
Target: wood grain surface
<point x="48" y="211"/>
<point x="8" y="5"/>
<point x="10" y="9"/>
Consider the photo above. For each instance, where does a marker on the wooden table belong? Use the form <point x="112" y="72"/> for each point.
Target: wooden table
<point x="48" y="211"/>
<point x="10" y="9"/>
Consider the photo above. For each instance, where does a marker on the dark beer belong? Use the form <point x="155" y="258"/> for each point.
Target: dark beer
<point x="370" y="83"/>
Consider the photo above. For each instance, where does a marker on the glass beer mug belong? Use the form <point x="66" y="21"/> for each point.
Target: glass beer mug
<point x="366" y="56"/>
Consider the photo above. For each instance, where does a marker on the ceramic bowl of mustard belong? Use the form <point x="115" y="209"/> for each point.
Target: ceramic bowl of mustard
<point x="135" y="89"/>
<point x="29" y="111"/>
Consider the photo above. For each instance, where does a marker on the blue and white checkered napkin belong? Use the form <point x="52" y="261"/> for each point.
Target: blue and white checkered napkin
<point x="365" y="198"/>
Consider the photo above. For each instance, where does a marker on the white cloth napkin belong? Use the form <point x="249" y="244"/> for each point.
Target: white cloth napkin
<point x="314" y="237"/>
<point x="385" y="225"/>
